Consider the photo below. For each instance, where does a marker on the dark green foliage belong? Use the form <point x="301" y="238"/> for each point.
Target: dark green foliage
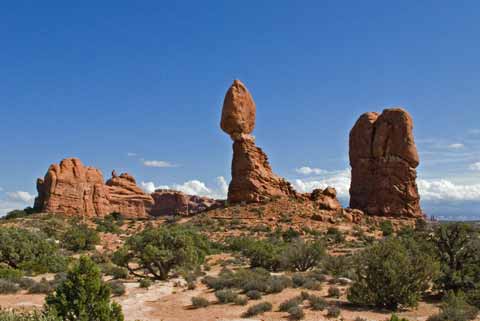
<point x="258" y="309"/>
<point x="117" y="288"/>
<point x="8" y="287"/>
<point x="302" y="256"/>
<point x="29" y="251"/>
<point x="115" y="271"/>
<point x="317" y="303"/>
<point x="83" y="296"/>
<point x="8" y="273"/>
<point x="334" y="292"/>
<point x="333" y="312"/>
<point x="458" y="249"/>
<point x="110" y="223"/>
<point x="80" y="238"/>
<point x="265" y="253"/>
<point x="335" y="235"/>
<point x="254" y="295"/>
<point x="455" y="308"/>
<point x="386" y="227"/>
<point x="290" y="303"/>
<point x="312" y="284"/>
<point x="394" y="317"/>
<point x="157" y="251"/>
<point x="298" y="280"/>
<point x="296" y="313"/>
<point x="18" y="213"/>
<point x="199" y="302"/>
<point x="390" y="274"/>
<point x="225" y="296"/>
<point x="338" y="266"/>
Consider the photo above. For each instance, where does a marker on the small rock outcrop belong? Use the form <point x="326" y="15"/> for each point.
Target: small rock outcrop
<point x="171" y="202"/>
<point x="252" y="177"/>
<point x="384" y="158"/>
<point x="70" y="188"/>
<point x="326" y="199"/>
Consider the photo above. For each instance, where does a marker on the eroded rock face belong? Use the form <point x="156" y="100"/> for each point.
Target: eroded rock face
<point x="252" y="177"/>
<point x="326" y="199"/>
<point x="73" y="189"/>
<point x="171" y="202"/>
<point x="383" y="157"/>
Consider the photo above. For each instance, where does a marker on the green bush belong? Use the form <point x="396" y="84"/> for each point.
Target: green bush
<point x="455" y="308"/>
<point x="8" y="287"/>
<point x="396" y="318"/>
<point x="110" y="224"/>
<point x="159" y="250"/>
<point x="84" y="296"/>
<point x="338" y="266"/>
<point x="266" y="254"/>
<point x="115" y="271"/>
<point x="18" y="213"/>
<point x="390" y="274"/>
<point x="254" y="295"/>
<point x="386" y="227"/>
<point x="334" y="292"/>
<point x="298" y="280"/>
<point x="296" y="313"/>
<point x="145" y="283"/>
<point x="285" y="306"/>
<point x="312" y="284"/>
<point x="43" y="286"/>
<point x="117" y="288"/>
<point x="302" y="256"/>
<point x="333" y="312"/>
<point x="335" y="235"/>
<point x="28" y="316"/>
<point x="29" y="251"/>
<point x="225" y="296"/>
<point x="8" y="273"/>
<point x="258" y="309"/>
<point x="240" y="300"/>
<point x="80" y="238"/>
<point x="199" y="302"/>
<point x="317" y="303"/>
<point x="25" y="283"/>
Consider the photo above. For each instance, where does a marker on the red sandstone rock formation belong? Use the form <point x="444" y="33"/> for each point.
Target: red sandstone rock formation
<point x="252" y="177"/>
<point x="383" y="157"/>
<point x="171" y="202"/>
<point x="71" y="188"/>
<point x="326" y="199"/>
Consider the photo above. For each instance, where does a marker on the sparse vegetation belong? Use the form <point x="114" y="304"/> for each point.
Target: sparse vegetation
<point x="199" y="302"/>
<point x="258" y="309"/>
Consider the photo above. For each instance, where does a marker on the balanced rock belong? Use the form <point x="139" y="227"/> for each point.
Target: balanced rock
<point x="171" y="202"/>
<point x="252" y="177"/>
<point x="70" y="188"/>
<point x="384" y="158"/>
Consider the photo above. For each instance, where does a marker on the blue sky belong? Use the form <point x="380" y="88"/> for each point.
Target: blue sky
<point x="99" y="80"/>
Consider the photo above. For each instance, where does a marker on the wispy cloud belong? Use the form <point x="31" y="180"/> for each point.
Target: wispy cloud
<point x="193" y="187"/>
<point x="158" y="163"/>
<point x="20" y="196"/>
<point x="475" y="166"/>
<point x="15" y="200"/>
<point x="130" y="154"/>
<point x="456" y="146"/>
<point x="306" y="170"/>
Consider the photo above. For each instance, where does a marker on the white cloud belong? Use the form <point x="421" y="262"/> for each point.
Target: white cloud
<point x="305" y="170"/>
<point x="446" y="190"/>
<point x="131" y="154"/>
<point x="193" y="187"/>
<point x="157" y="163"/>
<point x="456" y="146"/>
<point x="20" y="196"/>
<point x="475" y="166"/>
<point x="338" y="179"/>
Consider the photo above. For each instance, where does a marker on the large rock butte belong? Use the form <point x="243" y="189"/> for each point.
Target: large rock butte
<point x="252" y="177"/>
<point x="70" y="188"/>
<point x="384" y="158"/>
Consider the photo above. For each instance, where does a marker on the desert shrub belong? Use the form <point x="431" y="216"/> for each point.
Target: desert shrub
<point x="390" y="274"/>
<point x="458" y="250"/>
<point x="25" y="283"/>
<point x="302" y="256"/>
<point x="317" y="275"/>
<point x="58" y="278"/>
<point x="225" y="296"/>
<point x="290" y="234"/>
<point x="394" y="317"/>
<point x="338" y="266"/>
<point x="117" y="288"/>
<point x="298" y="279"/>
<point x="240" y="300"/>
<point x="28" y="316"/>
<point x="333" y="312"/>
<point x="8" y="287"/>
<point x="159" y="250"/>
<point x="145" y="283"/>
<point x="41" y="287"/>
<point x="199" y="302"/>
<point x="335" y="235"/>
<point x="266" y="254"/>
<point x="254" y="295"/>
<point x="80" y="238"/>
<point x="304" y="295"/>
<point x="84" y="296"/>
<point x="317" y="303"/>
<point x="277" y="284"/>
<point x="18" y="213"/>
<point x="386" y="227"/>
<point x="296" y="313"/>
<point x="8" y="273"/>
<point x="312" y="284"/>
<point x="334" y="292"/>
<point x="115" y="271"/>
<point x="258" y="309"/>
<point x="455" y="308"/>
<point x="29" y="251"/>
<point x="290" y="303"/>
<point x="110" y="223"/>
